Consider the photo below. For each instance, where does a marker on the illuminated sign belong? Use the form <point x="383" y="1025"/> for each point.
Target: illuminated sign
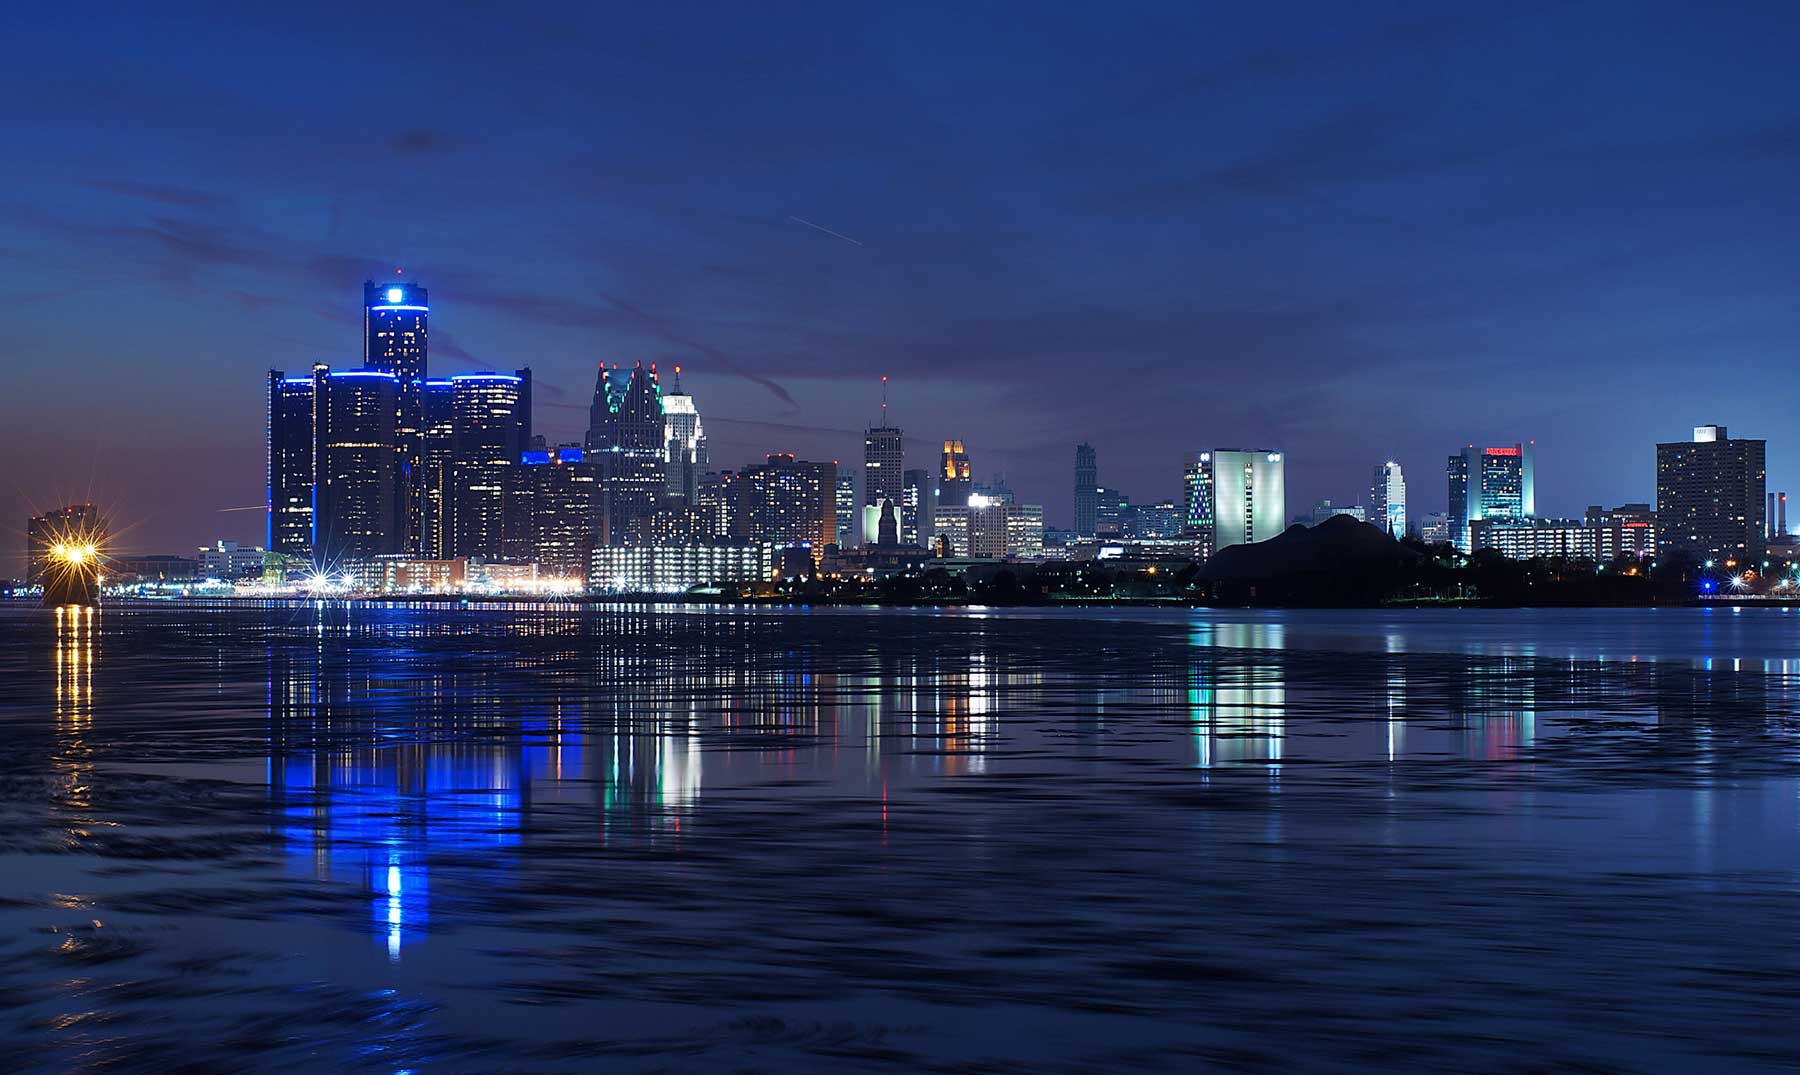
<point x="395" y="294"/>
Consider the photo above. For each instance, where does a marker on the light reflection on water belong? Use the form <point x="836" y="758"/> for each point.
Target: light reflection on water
<point x="535" y="837"/>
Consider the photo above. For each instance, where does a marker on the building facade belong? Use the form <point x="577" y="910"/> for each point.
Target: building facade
<point x="396" y="341"/>
<point x="1569" y="539"/>
<point x="989" y="528"/>
<point x="685" y="442"/>
<point x="648" y="569"/>
<point x="1490" y="483"/>
<point x="1087" y="487"/>
<point x="290" y="465"/>
<point x="356" y="508"/>
<point x="1387" y="499"/>
<point x="786" y="501"/>
<point x="884" y="466"/>
<point x="490" y="426"/>
<point x="956" y="478"/>
<point x="1709" y="498"/>
<point x="625" y="442"/>
<point x="918" y="506"/>
<point x="1233" y="497"/>
<point x="550" y="510"/>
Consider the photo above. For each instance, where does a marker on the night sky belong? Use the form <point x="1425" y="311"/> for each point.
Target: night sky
<point x="1346" y="231"/>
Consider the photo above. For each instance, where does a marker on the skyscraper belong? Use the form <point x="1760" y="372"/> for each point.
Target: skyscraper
<point x="1490" y="483"/>
<point x="490" y="428"/>
<point x="550" y="510"/>
<point x="1387" y="499"/>
<point x="435" y="484"/>
<point x="686" y="441"/>
<point x="1234" y="497"/>
<point x="787" y="501"/>
<point x="355" y="492"/>
<point x="625" y="442"/>
<point x="1087" y="485"/>
<point x="884" y="461"/>
<point x="290" y="471"/>
<point x="1709" y="498"/>
<point x="844" y="506"/>
<point x="955" y="479"/>
<point x="918" y="506"/>
<point x="395" y="341"/>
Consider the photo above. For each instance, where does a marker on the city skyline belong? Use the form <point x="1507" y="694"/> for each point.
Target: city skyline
<point x="1351" y="260"/>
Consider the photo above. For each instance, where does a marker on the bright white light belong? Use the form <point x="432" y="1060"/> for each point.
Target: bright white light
<point x="1738" y="583"/>
<point x="395" y="294"/>
<point x="979" y="500"/>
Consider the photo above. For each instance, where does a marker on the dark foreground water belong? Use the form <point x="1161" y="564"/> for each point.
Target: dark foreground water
<point x="384" y="839"/>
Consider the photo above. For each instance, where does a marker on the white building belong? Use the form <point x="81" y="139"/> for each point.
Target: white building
<point x="229" y="560"/>
<point x="990" y="528"/>
<point x="1387" y="499"/>
<point x="674" y="568"/>
<point x="1234" y="497"/>
<point x="1572" y="539"/>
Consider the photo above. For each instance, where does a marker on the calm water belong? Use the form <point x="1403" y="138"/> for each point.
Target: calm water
<point x="381" y="839"/>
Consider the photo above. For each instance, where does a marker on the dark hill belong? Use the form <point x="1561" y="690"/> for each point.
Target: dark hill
<point x="1340" y="544"/>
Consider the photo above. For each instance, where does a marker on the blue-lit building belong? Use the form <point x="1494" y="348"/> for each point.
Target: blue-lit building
<point x="490" y="428"/>
<point x="356" y="509"/>
<point x="550" y="510"/>
<point x="625" y="443"/>
<point x="1490" y="483"/>
<point x="435" y="439"/>
<point x="396" y="341"/>
<point x="290" y="465"/>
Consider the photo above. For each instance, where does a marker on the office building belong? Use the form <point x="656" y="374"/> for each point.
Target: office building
<point x="918" y="506"/>
<point x="1154" y="522"/>
<point x="955" y="478"/>
<point x="716" y="500"/>
<point x="1490" y="483"/>
<point x="843" y="506"/>
<point x="884" y="463"/>
<point x="1112" y="512"/>
<point x="787" y="502"/>
<point x="1434" y="528"/>
<point x="1709" y="498"/>
<point x="435" y="482"/>
<point x="685" y="442"/>
<point x="550" y="510"/>
<point x="1232" y="497"/>
<point x="1087" y="487"/>
<point x="229" y="560"/>
<point x="356" y="510"/>
<point x="396" y="341"/>
<point x="669" y="569"/>
<point x="1325" y="509"/>
<point x="1600" y="540"/>
<point x="1387" y="499"/>
<point x="289" y="505"/>
<point x="490" y="427"/>
<point x="989" y="527"/>
<point x="78" y="524"/>
<point x="625" y="442"/>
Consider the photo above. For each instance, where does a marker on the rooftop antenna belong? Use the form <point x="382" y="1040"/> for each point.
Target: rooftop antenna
<point x="884" y="401"/>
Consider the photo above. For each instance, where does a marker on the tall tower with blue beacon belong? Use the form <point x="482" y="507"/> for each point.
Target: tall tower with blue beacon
<point x="1387" y="499"/>
<point x="395" y="340"/>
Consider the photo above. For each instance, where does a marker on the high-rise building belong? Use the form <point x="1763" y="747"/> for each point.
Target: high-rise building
<point x="716" y="498"/>
<point x="1387" y="499"/>
<point x="550" y="510"/>
<point x="1233" y="497"/>
<point x="77" y="524"/>
<point x="490" y="426"/>
<point x="625" y="442"/>
<point x="395" y="341"/>
<point x="1709" y="498"/>
<point x="989" y="527"/>
<point x="355" y="494"/>
<point x="918" y="505"/>
<point x="787" y="501"/>
<point x="1159" y="521"/>
<point x="1087" y="487"/>
<point x="1490" y="483"/>
<point x="290" y="469"/>
<point x="884" y="463"/>
<point x="844" y="506"/>
<point x="955" y="478"/>
<point x="686" y="442"/>
<point x="1112" y="512"/>
<point x="435" y="484"/>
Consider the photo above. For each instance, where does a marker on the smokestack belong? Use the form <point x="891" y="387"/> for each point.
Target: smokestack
<point x="1769" y="520"/>
<point x="1784" y="528"/>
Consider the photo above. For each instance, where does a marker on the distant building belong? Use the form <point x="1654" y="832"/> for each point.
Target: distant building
<point x="1159" y="521"/>
<point x="1325" y="509"/>
<point x="918" y="506"/>
<point x="1112" y="512"/>
<point x="1490" y="483"/>
<point x="844" y="506"/>
<point x="229" y="560"/>
<point x="489" y="431"/>
<point x="990" y="528"/>
<point x="1709" y="497"/>
<point x="396" y="341"/>
<point x="675" y="568"/>
<point x="625" y="443"/>
<point x="1434" y="528"/>
<point x="955" y="477"/>
<point x="1234" y="497"/>
<point x="787" y="501"/>
<point x="884" y="464"/>
<point x="81" y="523"/>
<point x="356" y="513"/>
<point x="436" y="483"/>
<point x="686" y="442"/>
<point x="1599" y="541"/>
<point x="1387" y="499"/>
<point x="290" y="465"/>
<point x="1087" y="487"/>
<point x="153" y="569"/>
<point x="550" y="510"/>
<point x="716" y="499"/>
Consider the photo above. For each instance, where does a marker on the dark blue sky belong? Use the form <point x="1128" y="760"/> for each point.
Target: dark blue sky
<point x="1350" y="232"/>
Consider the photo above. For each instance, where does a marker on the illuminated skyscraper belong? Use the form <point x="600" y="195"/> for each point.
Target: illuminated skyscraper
<point x="395" y="338"/>
<point x="490" y="428"/>
<point x="1490" y="483"/>
<point x="626" y="444"/>
<point x="787" y="501"/>
<point x="436" y="438"/>
<point x="955" y="479"/>
<point x="685" y="441"/>
<point x="1087" y="485"/>
<point x="884" y="461"/>
<point x="290" y="470"/>
<point x="550" y="510"/>
<point x="1709" y="498"/>
<point x="1234" y="497"/>
<point x="1387" y="499"/>
<point x="844" y="506"/>
<point x="355" y="494"/>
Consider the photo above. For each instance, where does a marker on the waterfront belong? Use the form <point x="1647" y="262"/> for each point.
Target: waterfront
<point x="381" y="838"/>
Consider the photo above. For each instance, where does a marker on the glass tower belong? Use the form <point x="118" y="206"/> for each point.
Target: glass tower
<point x="1490" y="483"/>
<point x="355" y="493"/>
<point x="395" y="337"/>
<point x="290" y="484"/>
